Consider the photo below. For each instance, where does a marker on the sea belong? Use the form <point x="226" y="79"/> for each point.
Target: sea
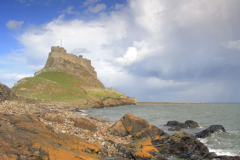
<point x="226" y="114"/>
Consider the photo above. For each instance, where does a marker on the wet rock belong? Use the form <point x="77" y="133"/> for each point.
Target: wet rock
<point x="191" y="124"/>
<point x="207" y="132"/>
<point x="176" y="126"/>
<point x="180" y="144"/>
<point x="140" y="149"/>
<point x="85" y="124"/>
<point x="150" y="131"/>
<point x="173" y="123"/>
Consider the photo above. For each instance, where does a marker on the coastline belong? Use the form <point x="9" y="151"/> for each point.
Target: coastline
<point x="171" y="103"/>
<point x="55" y="124"/>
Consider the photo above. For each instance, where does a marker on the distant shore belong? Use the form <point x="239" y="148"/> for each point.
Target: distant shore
<point x="170" y="103"/>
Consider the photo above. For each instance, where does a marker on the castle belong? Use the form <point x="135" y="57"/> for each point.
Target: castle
<point x="60" y="52"/>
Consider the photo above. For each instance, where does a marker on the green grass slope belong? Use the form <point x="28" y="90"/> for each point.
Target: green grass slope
<point x="58" y="86"/>
<point x="51" y="86"/>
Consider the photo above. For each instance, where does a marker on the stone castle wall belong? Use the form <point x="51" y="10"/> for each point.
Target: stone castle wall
<point x="60" y="52"/>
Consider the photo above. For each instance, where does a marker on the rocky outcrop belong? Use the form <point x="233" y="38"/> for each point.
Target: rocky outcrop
<point x="85" y="124"/>
<point x="7" y="94"/>
<point x="128" y="125"/>
<point x="152" y="143"/>
<point x="118" y="129"/>
<point x="58" y="119"/>
<point x="58" y="63"/>
<point x="110" y="102"/>
<point x="207" y="132"/>
<point x="176" y="126"/>
<point x="24" y="137"/>
<point x="182" y="145"/>
<point x="151" y="131"/>
<point x="140" y="149"/>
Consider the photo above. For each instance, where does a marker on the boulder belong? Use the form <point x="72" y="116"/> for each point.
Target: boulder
<point x="176" y="126"/>
<point x="150" y="131"/>
<point x="180" y="144"/>
<point x="173" y="123"/>
<point x="58" y="119"/>
<point x="128" y="125"/>
<point x="140" y="149"/>
<point x="133" y="124"/>
<point x="118" y="129"/>
<point x="85" y="124"/>
<point x="207" y="132"/>
<point x="191" y="124"/>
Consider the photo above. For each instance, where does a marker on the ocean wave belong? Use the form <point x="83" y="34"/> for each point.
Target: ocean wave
<point x="220" y="152"/>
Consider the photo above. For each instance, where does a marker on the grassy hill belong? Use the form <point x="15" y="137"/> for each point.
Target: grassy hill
<point x="58" y="86"/>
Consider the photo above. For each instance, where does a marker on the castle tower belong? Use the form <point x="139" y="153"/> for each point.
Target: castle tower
<point x="58" y="49"/>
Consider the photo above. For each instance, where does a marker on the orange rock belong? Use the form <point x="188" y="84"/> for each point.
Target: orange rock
<point x="85" y="124"/>
<point x="151" y="131"/>
<point x="140" y="149"/>
<point x="32" y="135"/>
<point x="118" y="129"/>
<point x="133" y="124"/>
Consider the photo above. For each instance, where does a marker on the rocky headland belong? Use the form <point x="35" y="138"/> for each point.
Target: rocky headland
<point x="71" y="78"/>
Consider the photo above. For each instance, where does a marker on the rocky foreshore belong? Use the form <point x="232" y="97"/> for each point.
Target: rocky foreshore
<point x="61" y="131"/>
<point x="52" y="123"/>
<point x="56" y="131"/>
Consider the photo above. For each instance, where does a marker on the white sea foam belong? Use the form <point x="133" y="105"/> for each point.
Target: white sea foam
<point x="203" y="140"/>
<point x="84" y="114"/>
<point x="220" y="152"/>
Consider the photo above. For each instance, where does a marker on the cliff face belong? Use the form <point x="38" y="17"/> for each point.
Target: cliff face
<point x="78" y="67"/>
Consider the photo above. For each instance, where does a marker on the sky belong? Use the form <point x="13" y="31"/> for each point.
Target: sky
<point x="155" y="50"/>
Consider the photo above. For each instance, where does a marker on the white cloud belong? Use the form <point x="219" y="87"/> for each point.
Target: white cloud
<point x="34" y="67"/>
<point x="148" y="14"/>
<point x="12" y="24"/>
<point x="69" y="10"/>
<point x="118" y="6"/>
<point x="204" y="92"/>
<point x="97" y="8"/>
<point x="14" y="76"/>
<point x="114" y="76"/>
<point x="90" y="2"/>
<point x="137" y="33"/>
<point x="232" y="45"/>
<point x="137" y="53"/>
<point x="154" y="82"/>
<point x="78" y="51"/>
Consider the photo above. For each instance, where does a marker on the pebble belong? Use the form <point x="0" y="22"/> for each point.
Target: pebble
<point x="100" y="137"/>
